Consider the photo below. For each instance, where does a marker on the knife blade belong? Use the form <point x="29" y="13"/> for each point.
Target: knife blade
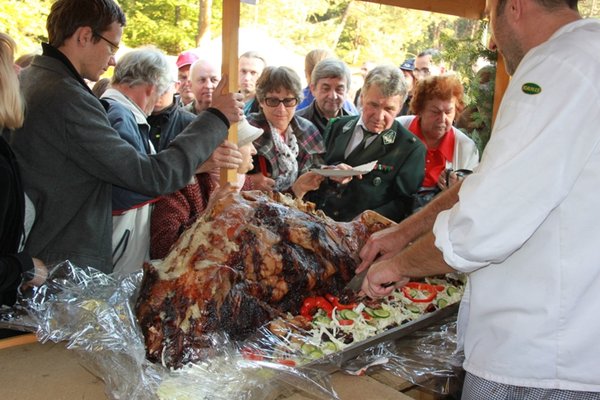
<point x="356" y="282"/>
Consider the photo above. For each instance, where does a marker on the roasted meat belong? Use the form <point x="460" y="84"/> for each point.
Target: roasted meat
<point x="252" y="257"/>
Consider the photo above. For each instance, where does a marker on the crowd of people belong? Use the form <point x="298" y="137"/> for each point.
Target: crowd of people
<point x="110" y="177"/>
<point x="112" y="170"/>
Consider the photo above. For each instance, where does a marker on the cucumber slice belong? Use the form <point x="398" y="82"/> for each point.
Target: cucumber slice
<point x="412" y="308"/>
<point x="381" y="313"/>
<point x="308" y="348"/>
<point x="441" y="303"/>
<point x="369" y="311"/>
<point x="348" y="314"/>
<point x="315" y="355"/>
<point x="321" y="319"/>
<point x="451" y="290"/>
<point x="329" y="346"/>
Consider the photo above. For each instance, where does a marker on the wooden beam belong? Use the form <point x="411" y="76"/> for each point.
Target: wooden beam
<point x="17" y="340"/>
<point x="473" y="9"/>
<point x="229" y="67"/>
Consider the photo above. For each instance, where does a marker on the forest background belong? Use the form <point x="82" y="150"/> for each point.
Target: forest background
<point x="357" y="31"/>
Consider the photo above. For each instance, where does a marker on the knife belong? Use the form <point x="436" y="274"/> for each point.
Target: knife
<point x="356" y="282"/>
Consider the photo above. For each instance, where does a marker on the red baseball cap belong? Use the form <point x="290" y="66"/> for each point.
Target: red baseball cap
<point x="186" y="58"/>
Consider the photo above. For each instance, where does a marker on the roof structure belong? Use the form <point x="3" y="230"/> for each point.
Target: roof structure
<point x="472" y="9"/>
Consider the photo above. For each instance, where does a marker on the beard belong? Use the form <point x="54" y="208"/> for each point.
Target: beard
<point x="508" y="42"/>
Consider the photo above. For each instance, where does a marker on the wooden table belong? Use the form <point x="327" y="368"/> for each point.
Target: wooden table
<point x="31" y="370"/>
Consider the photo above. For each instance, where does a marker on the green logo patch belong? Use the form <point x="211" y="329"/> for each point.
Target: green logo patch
<point x="531" y="88"/>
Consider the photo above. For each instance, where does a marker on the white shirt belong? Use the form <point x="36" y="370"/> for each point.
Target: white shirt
<point x="357" y="137"/>
<point x="527" y="225"/>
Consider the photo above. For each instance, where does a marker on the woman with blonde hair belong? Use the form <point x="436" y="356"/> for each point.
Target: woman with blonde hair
<point x="15" y="266"/>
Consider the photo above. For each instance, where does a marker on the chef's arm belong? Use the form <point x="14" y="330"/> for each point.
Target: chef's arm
<point x="387" y="242"/>
<point x="422" y="221"/>
<point x="418" y="260"/>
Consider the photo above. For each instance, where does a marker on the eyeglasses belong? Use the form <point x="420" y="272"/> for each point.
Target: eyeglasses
<point x="287" y="102"/>
<point x="113" y="47"/>
<point x="422" y="71"/>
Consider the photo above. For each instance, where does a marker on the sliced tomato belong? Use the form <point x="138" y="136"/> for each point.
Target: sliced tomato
<point x="286" y="361"/>
<point x="251" y="354"/>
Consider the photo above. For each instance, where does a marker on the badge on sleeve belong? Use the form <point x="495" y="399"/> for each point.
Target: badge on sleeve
<point x="388" y="137"/>
<point x="531" y="88"/>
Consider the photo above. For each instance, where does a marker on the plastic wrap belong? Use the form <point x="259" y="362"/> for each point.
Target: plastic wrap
<point x="428" y="358"/>
<point x="93" y="313"/>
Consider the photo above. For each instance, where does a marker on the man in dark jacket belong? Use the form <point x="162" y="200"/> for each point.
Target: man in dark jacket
<point x="375" y="135"/>
<point x="168" y="117"/>
<point x="70" y="155"/>
<point x="330" y="83"/>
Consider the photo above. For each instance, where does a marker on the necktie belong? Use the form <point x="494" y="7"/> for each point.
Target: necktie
<point x="363" y="143"/>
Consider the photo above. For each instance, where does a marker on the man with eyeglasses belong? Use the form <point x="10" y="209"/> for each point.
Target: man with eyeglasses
<point x="428" y="63"/>
<point x="70" y="156"/>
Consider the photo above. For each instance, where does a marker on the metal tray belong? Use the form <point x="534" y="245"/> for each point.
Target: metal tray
<point x="341" y="357"/>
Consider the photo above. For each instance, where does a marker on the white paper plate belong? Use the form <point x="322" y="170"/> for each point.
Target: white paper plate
<point x="358" y="170"/>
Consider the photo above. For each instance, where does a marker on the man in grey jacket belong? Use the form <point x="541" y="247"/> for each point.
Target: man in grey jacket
<point x="67" y="151"/>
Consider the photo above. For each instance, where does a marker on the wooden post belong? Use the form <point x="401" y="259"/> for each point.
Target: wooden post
<point x="231" y="24"/>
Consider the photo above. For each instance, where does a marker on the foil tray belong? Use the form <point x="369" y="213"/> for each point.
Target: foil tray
<point x="326" y="364"/>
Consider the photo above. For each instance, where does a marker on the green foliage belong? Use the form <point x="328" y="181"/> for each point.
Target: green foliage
<point x="170" y="25"/>
<point x="25" y="22"/>
<point x="461" y="55"/>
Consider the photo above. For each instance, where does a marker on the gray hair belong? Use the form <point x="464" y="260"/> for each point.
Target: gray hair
<point x="144" y="66"/>
<point x="331" y="68"/>
<point x="389" y="79"/>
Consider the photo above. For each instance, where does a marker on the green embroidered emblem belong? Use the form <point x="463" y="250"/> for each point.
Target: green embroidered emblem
<point x="389" y="137"/>
<point x="531" y="88"/>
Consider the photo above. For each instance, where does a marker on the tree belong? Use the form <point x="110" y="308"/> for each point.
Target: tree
<point x="170" y="25"/>
<point x="204" y="20"/>
<point x="25" y="22"/>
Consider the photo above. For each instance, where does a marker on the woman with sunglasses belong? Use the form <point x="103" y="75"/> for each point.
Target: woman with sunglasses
<point x="291" y="145"/>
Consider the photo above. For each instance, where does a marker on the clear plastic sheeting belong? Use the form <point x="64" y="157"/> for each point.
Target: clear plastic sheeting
<point x="93" y="314"/>
<point x="428" y="358"/>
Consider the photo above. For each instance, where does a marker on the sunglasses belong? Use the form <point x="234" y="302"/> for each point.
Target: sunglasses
<point x="287" y="102"/>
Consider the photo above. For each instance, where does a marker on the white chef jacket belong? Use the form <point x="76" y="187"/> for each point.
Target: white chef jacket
<point x="527" y="226"/>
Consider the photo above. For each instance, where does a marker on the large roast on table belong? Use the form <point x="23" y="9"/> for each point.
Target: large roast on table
<point x="253" y="257"/>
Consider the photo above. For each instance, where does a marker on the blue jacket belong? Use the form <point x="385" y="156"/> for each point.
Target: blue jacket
<point x="136" y="132"/>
